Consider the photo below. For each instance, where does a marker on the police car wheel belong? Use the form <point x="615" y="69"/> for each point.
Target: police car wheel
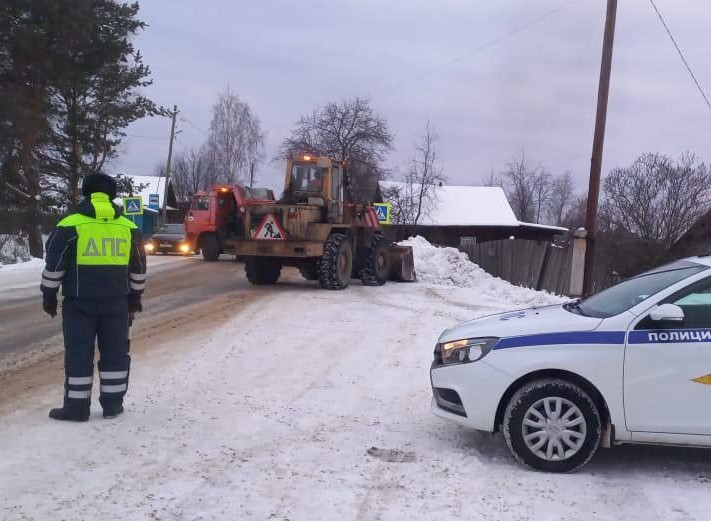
<point x="552" y="425"/>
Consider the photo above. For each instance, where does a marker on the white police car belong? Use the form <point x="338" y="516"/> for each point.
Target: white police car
<point x="631" y="364"/>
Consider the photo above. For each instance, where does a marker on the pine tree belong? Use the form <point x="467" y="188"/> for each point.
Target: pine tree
<point x="70" y="82"/>
<point x="96" y="93"/>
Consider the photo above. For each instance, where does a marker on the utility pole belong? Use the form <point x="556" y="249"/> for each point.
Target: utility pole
<point x="598" y="143"/>
<point x="251" y="174"/>
<point x="167" y="166"/>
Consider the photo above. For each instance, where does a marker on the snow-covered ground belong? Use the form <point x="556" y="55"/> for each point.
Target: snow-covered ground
<point x="314" y="405"/>
<point x="21" y="279"/>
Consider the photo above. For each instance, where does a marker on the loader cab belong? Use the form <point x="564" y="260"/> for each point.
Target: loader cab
<point x="316" y="181"/>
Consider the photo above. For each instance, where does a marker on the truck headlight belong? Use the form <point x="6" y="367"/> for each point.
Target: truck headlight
<point x="467" y="350"/>
<point x="149" y="246"/>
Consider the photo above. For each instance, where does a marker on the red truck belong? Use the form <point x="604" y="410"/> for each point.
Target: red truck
<point x="216" y="218"/>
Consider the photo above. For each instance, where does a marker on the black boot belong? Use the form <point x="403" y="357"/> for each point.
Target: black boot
<point x="73" y="412"/>
<point x="110" y="412"/>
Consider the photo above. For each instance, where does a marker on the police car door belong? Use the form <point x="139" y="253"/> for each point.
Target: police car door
<point x="667" y="378"/>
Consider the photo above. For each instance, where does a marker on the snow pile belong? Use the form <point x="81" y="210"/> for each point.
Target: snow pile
<point x="14" y="249"/>
<point x="451" y="267"/>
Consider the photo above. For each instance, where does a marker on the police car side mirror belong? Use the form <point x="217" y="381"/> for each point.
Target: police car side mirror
<point x="667" y="313"/>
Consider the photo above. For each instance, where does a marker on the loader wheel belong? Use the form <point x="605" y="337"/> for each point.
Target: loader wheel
<point x="376" y="269"/>
<point x="309" y="271"/>
<point x="210" y="247"/>
<point x="262" y="271"/>
<point x="334" y="270"/>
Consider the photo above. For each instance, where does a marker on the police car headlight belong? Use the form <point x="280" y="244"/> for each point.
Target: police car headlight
<point x="467" y="350"/>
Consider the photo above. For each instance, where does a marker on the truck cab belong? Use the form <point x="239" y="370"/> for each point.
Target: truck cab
<point x="215" y="219"/>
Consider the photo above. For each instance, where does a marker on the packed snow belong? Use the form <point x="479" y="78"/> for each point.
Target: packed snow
<point x="451" y="267"/>
<point x="314" y="405"/>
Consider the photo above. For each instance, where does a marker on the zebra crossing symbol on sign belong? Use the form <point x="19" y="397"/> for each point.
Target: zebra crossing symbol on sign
<point x="270" y="230"/>
<point x="382" y="212"/>
<point x="132" y="206"/>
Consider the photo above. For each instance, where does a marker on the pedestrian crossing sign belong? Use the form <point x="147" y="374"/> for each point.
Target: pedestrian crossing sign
<point x="132" y="206"/>
<point x="382" y="212"/>
<point x="269" y="230"/>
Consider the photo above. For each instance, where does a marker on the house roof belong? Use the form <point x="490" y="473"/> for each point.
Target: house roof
<point x="470" y="206"/>
<point x="153" y="185"/>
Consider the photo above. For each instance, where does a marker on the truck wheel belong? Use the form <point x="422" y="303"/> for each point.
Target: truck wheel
<point x="376" y="269"/>
<point x="210" y="247"/>
<point x="309" y="271"/>
<point x="262" y="271"/>
<point x="334" y="270"/>
<point x="552" y="425"/>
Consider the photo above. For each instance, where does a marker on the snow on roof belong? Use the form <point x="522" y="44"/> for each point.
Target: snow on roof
<point x="153" y="185"/>
<point x="466" y="206"/>
<point x="470" y="206"/>
<point x="559" y="229"/>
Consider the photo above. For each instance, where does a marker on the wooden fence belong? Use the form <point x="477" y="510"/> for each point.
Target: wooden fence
<point x="533" y="264"/>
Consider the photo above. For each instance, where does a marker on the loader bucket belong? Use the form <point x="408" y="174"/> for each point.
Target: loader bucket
<point x="402" y="263"/>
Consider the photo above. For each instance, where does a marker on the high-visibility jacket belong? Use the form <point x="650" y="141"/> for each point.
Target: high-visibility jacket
<point x="95" y="253"/>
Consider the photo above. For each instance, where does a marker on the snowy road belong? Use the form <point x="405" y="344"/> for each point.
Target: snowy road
<point x="175" y="282"/>
<point x="310" y="405"/>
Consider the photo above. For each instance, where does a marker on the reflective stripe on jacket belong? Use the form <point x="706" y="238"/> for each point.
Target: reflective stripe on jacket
<point x="95" y="253"/>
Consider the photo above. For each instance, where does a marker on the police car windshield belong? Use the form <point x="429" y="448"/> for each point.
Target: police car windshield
<point x="631" y="292"/>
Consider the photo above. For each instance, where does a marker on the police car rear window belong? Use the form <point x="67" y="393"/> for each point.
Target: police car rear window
<point x="627" y="294"/>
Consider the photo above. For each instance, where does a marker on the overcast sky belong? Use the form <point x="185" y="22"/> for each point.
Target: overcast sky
<point x="532" y="93"/>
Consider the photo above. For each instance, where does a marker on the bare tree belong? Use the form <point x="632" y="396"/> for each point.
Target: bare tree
<point x="528" y="189"/>
<point x="192" y="173"/>
<point x="400" y="197"/>
<point x="561" y="199"/>
<point x="425" y="175"/>
<point x="235" y="140"/>
<point x="656" y="199"/>
<point x="348" y="130"/>
<point x="492" y="179"/>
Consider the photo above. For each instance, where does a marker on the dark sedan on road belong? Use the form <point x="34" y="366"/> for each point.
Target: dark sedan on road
<point x="169" y="238"/>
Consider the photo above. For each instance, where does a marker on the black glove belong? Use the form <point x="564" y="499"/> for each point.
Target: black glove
<point x="49" y="304"/>
<point x="134" y="303"/>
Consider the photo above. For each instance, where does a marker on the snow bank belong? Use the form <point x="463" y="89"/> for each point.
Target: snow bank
<point x="451" y="267"/>
<point x="14" y="249"/>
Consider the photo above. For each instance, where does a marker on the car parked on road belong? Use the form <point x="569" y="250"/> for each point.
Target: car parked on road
<point x="631" y="364"/>
<point x="169" y="238"/>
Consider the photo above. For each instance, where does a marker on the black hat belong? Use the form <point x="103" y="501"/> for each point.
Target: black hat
<point x="99" y="183"/>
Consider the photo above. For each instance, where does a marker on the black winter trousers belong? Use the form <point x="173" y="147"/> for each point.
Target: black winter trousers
<point x="85" y="321"/>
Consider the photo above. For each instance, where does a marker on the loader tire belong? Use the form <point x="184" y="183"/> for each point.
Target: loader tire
<point x="210" y="247"/>
<point x="309" y="271"/>
<point x="336" y="265"/>
<point x="376" y="269"/>
<point x="262" y="271"/>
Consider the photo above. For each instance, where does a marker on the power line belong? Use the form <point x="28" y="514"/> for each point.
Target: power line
<point x="162" y="138"/>
<point x="479" y="49"/>
<point x="681" y="55"/>
<point x="193" y="125"/>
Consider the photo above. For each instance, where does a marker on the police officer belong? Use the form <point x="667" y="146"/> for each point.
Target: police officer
<point x="97" y="256"/>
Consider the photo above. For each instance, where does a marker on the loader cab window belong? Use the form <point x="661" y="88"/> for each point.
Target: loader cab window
<point x="307" y="178"/>
<point x="336" y="184"/>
